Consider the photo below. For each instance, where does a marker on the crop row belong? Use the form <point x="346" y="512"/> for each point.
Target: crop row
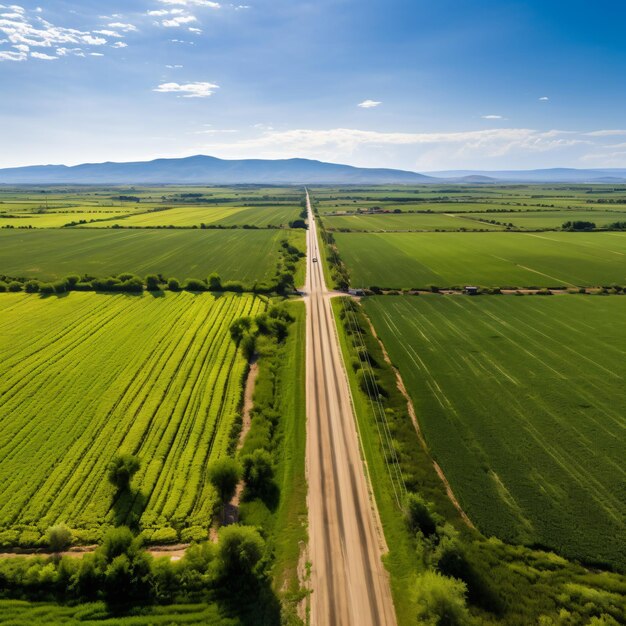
<point x="522" y="403"/>
<point x="155" y="377"/>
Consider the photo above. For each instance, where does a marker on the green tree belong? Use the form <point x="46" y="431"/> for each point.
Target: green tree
<point x="32" y="286"/>
<point x="441" y="600"/>
<point x="418" y="515"/>
<point x="240" y="550"/>
<point x="152" y="282"/>
<point x="59" y="537"/>
<point x="258" y="472"/>
<point x="14" y="286"/>
<point x="224" y="475"/>
<point x="121" y="470"/>
<point x="215" y="282"/>
<point x="173" y="284"/>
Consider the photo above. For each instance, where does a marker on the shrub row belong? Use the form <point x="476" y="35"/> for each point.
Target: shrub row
<point x="123" y="574"/>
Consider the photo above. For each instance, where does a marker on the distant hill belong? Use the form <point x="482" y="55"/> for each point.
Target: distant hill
<point x="553" y="175"/>
<point x="198" y="170"/>
<point x="203" y="170"/>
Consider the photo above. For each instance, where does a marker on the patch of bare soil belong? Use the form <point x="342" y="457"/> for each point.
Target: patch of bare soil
<point x="174" y="551"/>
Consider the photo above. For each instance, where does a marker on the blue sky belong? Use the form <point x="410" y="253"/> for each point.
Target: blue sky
<point x="421" y="85"/>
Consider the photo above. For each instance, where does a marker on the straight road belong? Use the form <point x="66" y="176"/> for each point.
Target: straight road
<point x="350" y="585"/>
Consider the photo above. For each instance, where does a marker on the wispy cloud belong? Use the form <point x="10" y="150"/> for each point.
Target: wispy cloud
<point x="43" y="57"/>
<point x="193" y="3"/>
<point x="369" y="104"/>
<point x="188" y="90"/>
<point x="428" y="151"/>
<point x="179" y="20"/>
<point x="493" y="117"/>
<point x="606" y="133"/>
<point x="24" y="29"/>
<point x="127" y="28"/>
<point x="544" y="99"/>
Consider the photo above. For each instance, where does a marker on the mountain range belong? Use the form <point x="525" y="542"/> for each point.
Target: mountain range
<point x="199" y="170"/>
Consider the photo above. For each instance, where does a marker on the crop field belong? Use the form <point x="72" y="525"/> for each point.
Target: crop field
<point x="246" y="255"/>
<point x="53" y="219"/>
<point x="85" y="377"/>
<point x="408" y="222"/>
<point x="470" y="199"/>
<point x="408" y="260"/>
<point x="523" y="403"/>
<point x="223" y="215"/>
<point x="149" y="206"/>
<point x="552" y="219"/>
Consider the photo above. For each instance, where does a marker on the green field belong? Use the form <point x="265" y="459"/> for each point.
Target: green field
<point x="223" y="215"/>
<point x="407" y="222"/>
<point x="86" y="376"/>
<point x="246" y="255"/>
<point x="522" y="402"/>
<point x="408" y="260"/>
<point x="53" y="219"/>
<point x="530" y="220"/>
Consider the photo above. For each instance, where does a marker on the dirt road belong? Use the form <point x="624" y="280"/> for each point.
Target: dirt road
<point x="350" y="585"/>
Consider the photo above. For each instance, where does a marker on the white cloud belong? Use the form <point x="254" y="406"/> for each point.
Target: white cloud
<point x="544" y="99"/>
<point x="193" y="3"/>
<point x="195" y="31"/>
<point x="189" y="90"/>
<point x="119" y="44"/>
<point x="216" y="131"/>
<point x="123" y="26"/>
<point x="174" y="67"/>
<point x="94" y="41"/>
<point x="64" y="52"/>
<point x="492" y="148"/>
<point x="369" y="104"/>
<point x="179" y="21"/>
<point x="43" y="57"/>
<point x="492" y="117"/>
<point x="108" y="33"/>
<point x="24" y="29"/>
<point x="606" y="133"/>
<point x="9" y="55"/>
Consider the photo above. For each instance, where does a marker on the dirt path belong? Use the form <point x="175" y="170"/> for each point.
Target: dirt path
<point x="231" y="511"/>
<point x="349" y="583"/>
<point x="174" y="551"/>
<point x="418" y="430"/>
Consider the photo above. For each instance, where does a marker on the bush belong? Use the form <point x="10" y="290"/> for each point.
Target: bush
<point x="46" y="289"/>
<point x="418" y="515"/>
<point x="3" y="287"/>
<point x="14" y="286"/>
<point x="121" y="469"/>
<point x="215" y="282"/>
<point x="72" y="281"/>
<point x="32" y="286"/>
<point x="173" y="284"/>
<point x="258" y="472"/>
<point x="59" y="537"/>
<point x="240" y="550"/>
<point x="441" y="601"/>
<point x="60" y="286"/>
<point x="193" y="284"/>
<point x="152" y="283"/>
<point x="240" y="327"/>
<point x="224" y="475"/>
